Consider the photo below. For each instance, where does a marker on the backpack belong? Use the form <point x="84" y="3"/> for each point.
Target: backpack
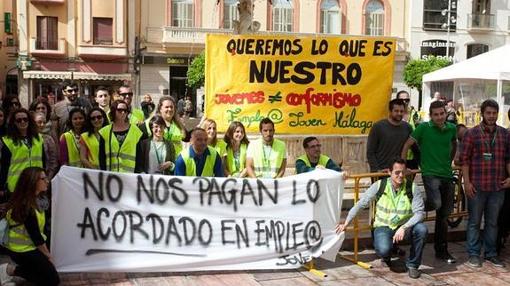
<point x="382" y="186"/>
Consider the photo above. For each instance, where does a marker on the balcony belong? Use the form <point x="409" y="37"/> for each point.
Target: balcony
<point x="48" y="1"/>
<point x="180" y="36"/>
<point x="481" y="22"/>
<point x="104" y="51"/>
<point x="48" y="48"/>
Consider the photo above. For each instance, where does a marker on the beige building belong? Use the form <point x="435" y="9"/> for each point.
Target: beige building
<point x="8" y="43"/>
<point x="84" y="40"/>
<point x="173" y="31"/>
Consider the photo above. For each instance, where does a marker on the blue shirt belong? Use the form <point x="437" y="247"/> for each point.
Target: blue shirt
<point x="180" y="166"/>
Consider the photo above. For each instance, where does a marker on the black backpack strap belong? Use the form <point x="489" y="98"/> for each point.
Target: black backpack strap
<point x="409" y="190"/>
<point x="382" y="187"/>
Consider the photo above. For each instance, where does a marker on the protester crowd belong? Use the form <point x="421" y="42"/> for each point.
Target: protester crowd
<point x="114" y="135"/>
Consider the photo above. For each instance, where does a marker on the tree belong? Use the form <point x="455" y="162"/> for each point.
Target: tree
<point x="415" y="69"/>
<point x="196" y="71"/>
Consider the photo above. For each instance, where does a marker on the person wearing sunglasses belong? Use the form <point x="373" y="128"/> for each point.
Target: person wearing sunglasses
<point x="119" y="144"/>
<point x="89" y="142"/>
<point x="10" y="103"/>
<point x="313" y="158"/>
<point x="72" y="99"/>
<point x="22" y="147"/>
<point x="136" y="116"/>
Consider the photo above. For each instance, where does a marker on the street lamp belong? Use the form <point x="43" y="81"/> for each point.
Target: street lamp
<point x="449" y="20"/>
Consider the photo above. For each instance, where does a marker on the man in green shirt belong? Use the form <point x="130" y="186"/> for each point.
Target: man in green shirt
<point x="437" y="141"/>
<point x="313" y="158"/>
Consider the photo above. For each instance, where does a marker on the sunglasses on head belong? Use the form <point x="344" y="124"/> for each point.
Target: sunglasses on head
<point x="22" y="119"/>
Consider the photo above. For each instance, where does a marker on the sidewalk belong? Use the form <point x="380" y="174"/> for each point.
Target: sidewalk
<point x="341" y="272"/>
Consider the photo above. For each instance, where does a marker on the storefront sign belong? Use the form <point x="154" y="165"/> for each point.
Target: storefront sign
<point x="437" y="48"/>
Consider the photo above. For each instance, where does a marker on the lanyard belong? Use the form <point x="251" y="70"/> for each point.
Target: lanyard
<point x="493" y="141"/>
<point x="266" y="159"/>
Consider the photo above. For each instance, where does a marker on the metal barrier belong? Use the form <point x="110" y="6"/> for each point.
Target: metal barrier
<point x="356" y="227"/>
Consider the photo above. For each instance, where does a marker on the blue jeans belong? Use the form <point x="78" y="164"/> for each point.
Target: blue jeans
<point x="487" y="204"/>
<point x="440" y="196"/>
<point x="383" y="242"/>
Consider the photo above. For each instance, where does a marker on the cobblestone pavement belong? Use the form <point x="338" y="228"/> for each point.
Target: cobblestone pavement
<point x="341" y="272"/>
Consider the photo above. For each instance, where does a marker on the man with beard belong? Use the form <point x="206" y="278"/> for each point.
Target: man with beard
<point x="72" y="99"/>
<point x="387" y="137"/>
<point x="266" y="157"/>
<point x="485" y="160"/>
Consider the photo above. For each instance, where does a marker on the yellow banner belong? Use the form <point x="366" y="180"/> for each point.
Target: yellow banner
<point x="306" y="85"/>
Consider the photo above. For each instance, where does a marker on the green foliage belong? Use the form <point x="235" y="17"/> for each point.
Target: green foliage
<point x="196" y="71"/>
<point x="415" y="69"/>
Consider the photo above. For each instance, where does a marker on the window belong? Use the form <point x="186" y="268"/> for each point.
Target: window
<point x="476" y="49"/>
<point x="47" y="33"/>
<point x="230" y="13"/>
<point x="103" y="31"/>
<point x="282" y="15"/>
<point x="330" y="17"/>
<point x="374" y="18"/>
<point x="435" y="15"/>
<point x="182" y="13"/>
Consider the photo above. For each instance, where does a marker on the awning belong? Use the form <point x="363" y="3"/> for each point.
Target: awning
<point x="75" y="75"/>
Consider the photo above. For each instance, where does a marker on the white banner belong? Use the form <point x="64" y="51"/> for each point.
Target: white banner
<point x="104" y="221"/>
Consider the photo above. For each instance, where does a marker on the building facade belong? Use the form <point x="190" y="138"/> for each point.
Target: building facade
<point x="173" y="31"/>
<point x="8" y="43"/>
<point x="84" y="40"/>
<point x="468" y="28"/>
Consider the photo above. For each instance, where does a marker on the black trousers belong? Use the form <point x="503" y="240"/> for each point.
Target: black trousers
<point x="35" y="267"/>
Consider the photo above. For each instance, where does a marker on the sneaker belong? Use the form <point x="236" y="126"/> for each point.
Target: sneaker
<point x="414" y="273"/>
<point x="446" y="257"/>
<point x="386" y="261"/>
<point x="495" y="261"/>
<point x="474" y="261"/>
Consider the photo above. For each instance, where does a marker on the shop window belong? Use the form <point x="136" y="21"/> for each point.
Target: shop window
<point x="330" y="17"/>
<point x="47" y="33"/>
<point x="182" y="13"/>
<point x="374" y="18"/>
<point x="103" y="31"/>
<point x="476" y="49"/>
<point x="229" y="13"/>
<point x="282" y="15"/>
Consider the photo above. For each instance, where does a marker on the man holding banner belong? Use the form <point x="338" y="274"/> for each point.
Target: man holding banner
<point x="199" y="159"/>
<point x="399" y="212"/>
<point x="266" y="157"/>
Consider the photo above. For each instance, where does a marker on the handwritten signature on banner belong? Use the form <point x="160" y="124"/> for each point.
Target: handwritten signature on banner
<point x="333" y="85"/>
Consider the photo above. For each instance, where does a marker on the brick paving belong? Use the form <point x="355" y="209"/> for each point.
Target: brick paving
<point x="341" y="272"/>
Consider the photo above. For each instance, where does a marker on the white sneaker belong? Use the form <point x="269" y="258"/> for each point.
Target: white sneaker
<point x="5" y="279"/>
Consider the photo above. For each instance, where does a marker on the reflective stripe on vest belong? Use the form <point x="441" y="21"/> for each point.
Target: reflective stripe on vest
<point x="191" y="168"/>
<point x="22" y="157"/>
<point x="230" y="162"/>
<point x="393" y="210"/>
<point x="275" y="161"/>
<point x="73" y="153"/>
<point x="323" y="160"/>
<point x="120" y="159"/>
<point x="92" y="144"/>
<point x="19" y="239"/>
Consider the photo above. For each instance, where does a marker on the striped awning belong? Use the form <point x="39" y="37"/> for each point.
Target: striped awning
<point x="75" y="75"/>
